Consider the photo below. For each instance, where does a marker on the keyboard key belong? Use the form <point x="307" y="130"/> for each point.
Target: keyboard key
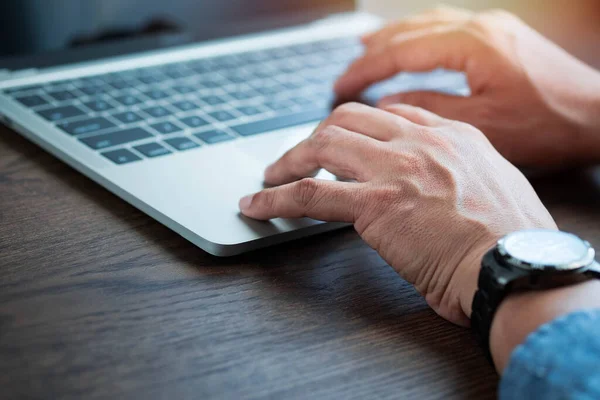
<point x="31" y="101"/>
<point x="194" y="121"/>
<point x="59" y="113"/>
<point x="222" y="116"/>
<point x="148" y="71"/>
<point x="224" y="62"/>
<point x="167" y="127"/>
<point x="184" y="89"/>
<point x="156" y="94"/>
<point x="153" y="79"/>
<point x="86" y="126"/>
<point x="59" y="85"/>
<point x="302" y="101"/>
<point x="292" y="85"/>
<point x="212" y="100"/>
<point x="157" y="111"/>
<point x="128" y="117"/>
<point x="128" y="100"/>
<point x="212" y="137"/>
<point x="320" y="80"/>
<point x="22" y="89"/>
<point x="121" y="156"/>
<point x="99" y="105"/>
<point x="304" y="49"/>
<point x="62" y="95"/>
<point x="121" y="84"/>
<point x="152" y="150"/>
<point x="115" y="138"/>
<point x="92" y="81"/>
<point x="93" y="90"/>
<point x="255" y="57"/>
<point x="186" y="105"/>
<point x="289" y="66"/>
<point x="178" y="73"/>
<point x="213" y="81"/>
<point x="201" y="66"/>
<point x="244" y="95"/>
<point x="181" y="143"/>
<point x="282" y="52"/>
<point x="281" y="122"/>
<point x="271" y="90"/>
<point x="264" y="73"/>
<point x="250" y="110"/>
<point x="280" y="105"/>
<point x="236" y="77"/>
<point x="315" y="61"/>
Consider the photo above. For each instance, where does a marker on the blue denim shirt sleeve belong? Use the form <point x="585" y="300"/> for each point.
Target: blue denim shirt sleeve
<point x="561" y="360"/>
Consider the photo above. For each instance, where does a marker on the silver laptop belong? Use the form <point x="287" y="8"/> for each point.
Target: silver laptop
<point x="177" y="107"/>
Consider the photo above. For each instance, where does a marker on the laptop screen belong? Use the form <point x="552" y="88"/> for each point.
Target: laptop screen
<point x="30" y="27"/>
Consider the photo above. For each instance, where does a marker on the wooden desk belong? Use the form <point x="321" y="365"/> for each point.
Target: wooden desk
<point x="97" y="300"/>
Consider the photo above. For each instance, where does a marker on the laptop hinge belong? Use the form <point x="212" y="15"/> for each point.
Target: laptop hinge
<point x="6" y="74"/>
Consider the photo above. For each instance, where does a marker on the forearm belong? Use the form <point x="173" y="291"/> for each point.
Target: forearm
<point x="590" y="130"/>
<point x="521" y="314"/>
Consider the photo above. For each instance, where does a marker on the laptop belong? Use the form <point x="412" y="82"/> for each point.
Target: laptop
<point x="177" y="107"/>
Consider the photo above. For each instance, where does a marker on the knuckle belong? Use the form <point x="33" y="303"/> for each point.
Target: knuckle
<point x="346" y="110"/>
<point x="436" y="140"/>
<point x="465" y="129"/>
<point x="323" y="138"/>
<point x="304" y="191"/>
<point x="385" y="195"/>
<point x="433" y="138"/>
<point x="265" y="199"/>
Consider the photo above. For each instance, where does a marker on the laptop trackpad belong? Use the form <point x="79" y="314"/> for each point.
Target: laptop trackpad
<point x="269" y="147"/>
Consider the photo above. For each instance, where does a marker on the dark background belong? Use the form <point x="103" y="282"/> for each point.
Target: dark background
<point x="28" y="26"/>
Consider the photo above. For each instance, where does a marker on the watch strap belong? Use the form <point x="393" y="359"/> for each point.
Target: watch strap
<point x="593" y="270"/>
<point x="494" y="284"/>
<point x="488" y="297"/>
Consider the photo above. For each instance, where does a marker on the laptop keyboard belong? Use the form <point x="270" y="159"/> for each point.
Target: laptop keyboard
<point x="144" y="113"/>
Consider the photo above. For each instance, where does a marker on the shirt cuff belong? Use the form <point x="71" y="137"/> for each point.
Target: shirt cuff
<point x="561" y="360"/>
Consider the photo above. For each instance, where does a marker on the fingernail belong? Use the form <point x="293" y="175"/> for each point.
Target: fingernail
<point x="268" y="173"/>
<point x="245" y="202"/>
<point x="338" y="86"/>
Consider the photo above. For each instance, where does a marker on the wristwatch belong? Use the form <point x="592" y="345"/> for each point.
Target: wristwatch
<point x="525" y="261"/>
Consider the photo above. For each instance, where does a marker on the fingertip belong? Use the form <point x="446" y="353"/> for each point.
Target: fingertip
<point x="338" y="86"/>
<point x="245" y="203"/>
<point x="366" y="38"/>
<point x="270" y="175"/>
<point x="343" y="87"/>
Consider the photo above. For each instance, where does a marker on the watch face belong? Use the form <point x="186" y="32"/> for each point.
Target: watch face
<point x="545" y="249"/>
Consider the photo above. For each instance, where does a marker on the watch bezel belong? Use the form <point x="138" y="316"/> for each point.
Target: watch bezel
<point x="582" y="263"/>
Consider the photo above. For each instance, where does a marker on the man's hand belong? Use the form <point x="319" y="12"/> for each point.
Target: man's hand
<point x="429" y="194"/>
<point x="538" y="105"/>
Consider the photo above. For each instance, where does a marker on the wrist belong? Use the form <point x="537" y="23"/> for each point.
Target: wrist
<point x="521" y="314"/>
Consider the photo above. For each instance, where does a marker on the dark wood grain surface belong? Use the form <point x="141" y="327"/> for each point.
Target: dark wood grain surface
<point x="97" y="300"/>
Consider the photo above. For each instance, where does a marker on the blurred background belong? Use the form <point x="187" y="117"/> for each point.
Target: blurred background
<point x="49" y="25"/>
<point x="574" y="24"/>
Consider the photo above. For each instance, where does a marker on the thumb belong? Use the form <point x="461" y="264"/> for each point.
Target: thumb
<point x="445" y="105"/>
